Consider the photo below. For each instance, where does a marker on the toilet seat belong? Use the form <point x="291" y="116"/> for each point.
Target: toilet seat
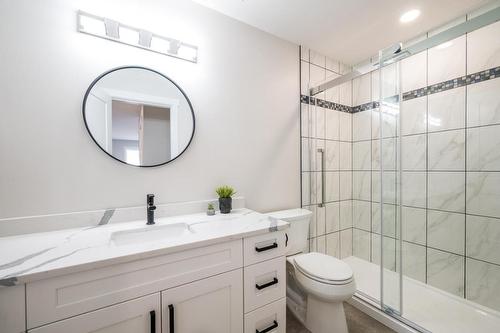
<point x="324" y="268"/>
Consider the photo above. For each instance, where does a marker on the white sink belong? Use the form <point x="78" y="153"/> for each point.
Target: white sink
<point x="153" y="233"/>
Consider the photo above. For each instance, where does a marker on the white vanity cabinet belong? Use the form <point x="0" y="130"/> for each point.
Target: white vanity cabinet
<point x="229" y="287"/>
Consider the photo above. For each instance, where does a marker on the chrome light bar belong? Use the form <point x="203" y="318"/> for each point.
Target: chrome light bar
<point x="118" y="32"/>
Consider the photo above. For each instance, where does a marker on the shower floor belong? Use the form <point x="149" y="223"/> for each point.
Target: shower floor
<point x="428" y="307"/>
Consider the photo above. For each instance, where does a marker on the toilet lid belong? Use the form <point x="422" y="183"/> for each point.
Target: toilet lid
<point x="323" y="267"/>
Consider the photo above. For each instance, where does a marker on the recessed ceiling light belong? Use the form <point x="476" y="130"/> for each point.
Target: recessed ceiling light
<point x="409" y="16"/>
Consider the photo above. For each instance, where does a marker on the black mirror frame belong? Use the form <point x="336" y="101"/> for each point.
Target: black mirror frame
<point x="156" y="72"/>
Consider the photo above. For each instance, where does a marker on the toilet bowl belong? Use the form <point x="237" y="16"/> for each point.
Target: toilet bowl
<point x="327" y="282"/>
<point x="324" y="280"/>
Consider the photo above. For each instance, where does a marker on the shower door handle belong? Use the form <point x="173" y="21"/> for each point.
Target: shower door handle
<point x="323" y="190"/>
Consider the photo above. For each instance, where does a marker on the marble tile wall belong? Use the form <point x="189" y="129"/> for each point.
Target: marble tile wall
<point x="450" y="167"/>
<point x="326" y="128"/>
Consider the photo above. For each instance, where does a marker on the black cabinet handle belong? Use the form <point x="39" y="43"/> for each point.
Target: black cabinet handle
<point x="265" y="285"/>
<point x="266" y="248"/>
<point x="171" y="325"/>
<point x="270" y="328"/>
<point x="286" y="239"/>
<point x="152" y="319"/>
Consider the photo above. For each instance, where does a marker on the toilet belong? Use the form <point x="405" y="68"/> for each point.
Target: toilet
<point x="317" y="283"/>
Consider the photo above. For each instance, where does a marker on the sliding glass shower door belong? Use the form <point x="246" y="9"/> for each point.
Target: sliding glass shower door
<point x="437" y="232"/>
<point x="387" y="242"/>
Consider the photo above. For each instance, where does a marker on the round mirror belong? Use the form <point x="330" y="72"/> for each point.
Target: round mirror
<point x="138" y="116"/>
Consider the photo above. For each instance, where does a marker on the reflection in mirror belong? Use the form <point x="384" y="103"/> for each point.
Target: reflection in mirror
<point x="138" y="116"/>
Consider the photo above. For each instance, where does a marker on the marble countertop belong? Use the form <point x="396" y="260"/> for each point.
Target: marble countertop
<point x="31" y="257"/>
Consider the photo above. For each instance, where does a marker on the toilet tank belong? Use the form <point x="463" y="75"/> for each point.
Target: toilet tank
<point x="299" y="228"/>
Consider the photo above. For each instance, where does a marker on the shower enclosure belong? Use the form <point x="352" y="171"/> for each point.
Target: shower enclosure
<point x="402" y="173"/>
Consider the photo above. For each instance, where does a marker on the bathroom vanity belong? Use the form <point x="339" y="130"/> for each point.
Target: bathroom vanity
<point x="191" y="273"/>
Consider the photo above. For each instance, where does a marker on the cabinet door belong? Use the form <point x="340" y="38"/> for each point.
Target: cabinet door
<point x="212" y="305"/>
<point x="137" y="316"/>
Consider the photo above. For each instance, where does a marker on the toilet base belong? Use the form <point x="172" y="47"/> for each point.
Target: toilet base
<point x="325" y="317"/>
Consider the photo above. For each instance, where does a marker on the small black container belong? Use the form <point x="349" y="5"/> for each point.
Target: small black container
<point x="225" y="205"/>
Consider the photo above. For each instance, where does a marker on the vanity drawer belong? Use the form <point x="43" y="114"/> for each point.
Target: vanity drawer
<point x="140" y="315"/>
<point x="264" y="247"/>
<point x="69" y="295"/>
<point x="264" y="283"/>
<point x="12" y="309"/>
<point x="269" y="318"/>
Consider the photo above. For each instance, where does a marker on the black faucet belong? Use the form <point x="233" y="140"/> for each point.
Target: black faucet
<point x="151" y="208"/>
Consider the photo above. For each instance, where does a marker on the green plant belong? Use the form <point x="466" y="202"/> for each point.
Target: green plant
<point x="225" y="191"/>
<point x="210" y="206"/>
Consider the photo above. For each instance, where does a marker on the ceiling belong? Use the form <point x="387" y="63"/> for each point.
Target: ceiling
<point x="346" y="30"/>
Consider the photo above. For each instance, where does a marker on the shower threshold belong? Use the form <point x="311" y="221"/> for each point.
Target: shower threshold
<point x="428" y="307"/>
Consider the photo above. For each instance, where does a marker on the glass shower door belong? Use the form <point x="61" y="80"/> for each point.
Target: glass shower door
<point x="388" y="240"/>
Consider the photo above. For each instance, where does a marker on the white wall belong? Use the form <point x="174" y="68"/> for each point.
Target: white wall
<point x="244" y="92"/>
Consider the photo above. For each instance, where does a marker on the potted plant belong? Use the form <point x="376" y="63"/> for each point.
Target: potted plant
<point x="210" y="209"/>
<point x="225" y="198"/>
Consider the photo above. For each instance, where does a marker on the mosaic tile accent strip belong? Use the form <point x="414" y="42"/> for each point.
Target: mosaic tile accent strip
<point x="344" y="108"/>
<point x="485" y="75"/>
<point x="365" y="107"/>
<point x="324" y="104"/>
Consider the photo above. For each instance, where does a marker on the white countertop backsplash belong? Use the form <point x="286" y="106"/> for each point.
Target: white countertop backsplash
<point x="35" y="256"/>
<point x="53" y="222"/>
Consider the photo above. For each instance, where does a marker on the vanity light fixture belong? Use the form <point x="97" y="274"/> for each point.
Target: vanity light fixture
<point x="409" y="16"/>
<point x="113" y="30"/>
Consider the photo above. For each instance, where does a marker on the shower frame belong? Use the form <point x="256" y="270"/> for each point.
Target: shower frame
<point x="388" y="56"/>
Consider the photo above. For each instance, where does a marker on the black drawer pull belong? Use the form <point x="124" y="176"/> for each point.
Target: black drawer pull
<point x="152" y="318"/>
<point x="171" y="328"/>
<point x="270" y="328"/>
<point x="266" y="248"/>
<point x="265" y="285"/>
